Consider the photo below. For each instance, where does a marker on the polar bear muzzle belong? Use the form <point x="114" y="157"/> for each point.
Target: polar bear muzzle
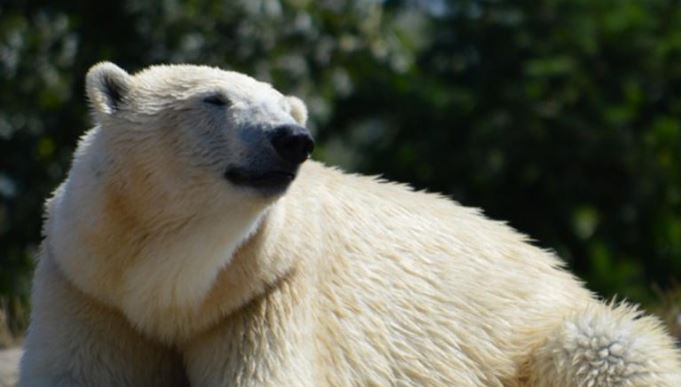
<point x="293" y="145"/>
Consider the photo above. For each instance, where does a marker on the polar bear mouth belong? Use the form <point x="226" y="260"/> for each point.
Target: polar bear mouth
<point x="274" y="179"/>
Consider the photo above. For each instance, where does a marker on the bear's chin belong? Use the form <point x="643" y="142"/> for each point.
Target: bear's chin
<point x="272" y="182"/>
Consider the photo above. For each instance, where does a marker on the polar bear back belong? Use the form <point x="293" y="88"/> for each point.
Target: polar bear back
<point x="415" y="279"/>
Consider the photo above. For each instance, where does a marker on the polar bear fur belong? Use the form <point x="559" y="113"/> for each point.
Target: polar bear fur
<point x="155" y="270"/>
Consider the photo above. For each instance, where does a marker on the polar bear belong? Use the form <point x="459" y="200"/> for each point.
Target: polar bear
<point x="193" y="244"/>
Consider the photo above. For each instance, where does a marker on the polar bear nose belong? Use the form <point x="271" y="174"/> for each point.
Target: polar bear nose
<point x="293" y="143"/>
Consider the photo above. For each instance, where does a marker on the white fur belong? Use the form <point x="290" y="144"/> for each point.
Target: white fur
<point x="604" y="346"/>
<point x="151" y="256"/>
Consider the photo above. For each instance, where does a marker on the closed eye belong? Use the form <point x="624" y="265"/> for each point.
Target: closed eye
<point x="216" y="100"/>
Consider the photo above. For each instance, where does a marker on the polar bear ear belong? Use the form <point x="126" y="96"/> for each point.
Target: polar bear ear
<point x="107" y="85"/>
<point x="298" y="109"/>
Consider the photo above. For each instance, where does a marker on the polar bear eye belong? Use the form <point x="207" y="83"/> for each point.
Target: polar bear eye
<point x="216" y="100"/>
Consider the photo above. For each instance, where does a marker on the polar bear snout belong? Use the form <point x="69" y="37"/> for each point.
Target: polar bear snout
<point x="293" y="143"/>
<point x="271" y="174"/>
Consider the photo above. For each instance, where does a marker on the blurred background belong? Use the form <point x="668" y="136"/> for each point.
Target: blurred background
<point x="561" y="116"/>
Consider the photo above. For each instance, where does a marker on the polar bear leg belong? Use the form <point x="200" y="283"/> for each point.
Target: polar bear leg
<point x="73" y="341"/>
<point x="607" y="346"/>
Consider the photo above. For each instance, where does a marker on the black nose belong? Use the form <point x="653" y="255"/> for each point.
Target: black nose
<point x="293" y="143"/>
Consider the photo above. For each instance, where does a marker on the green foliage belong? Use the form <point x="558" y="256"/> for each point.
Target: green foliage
<point x="561" y="116"/>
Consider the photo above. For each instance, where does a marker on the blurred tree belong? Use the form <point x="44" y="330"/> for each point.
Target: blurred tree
<point x="561" y="116"/>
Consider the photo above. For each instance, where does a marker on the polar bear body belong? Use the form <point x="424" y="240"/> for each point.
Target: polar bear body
<point x="156" y="270"/>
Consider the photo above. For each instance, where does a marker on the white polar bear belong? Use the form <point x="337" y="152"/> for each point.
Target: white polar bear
<point x="187" y="247"/>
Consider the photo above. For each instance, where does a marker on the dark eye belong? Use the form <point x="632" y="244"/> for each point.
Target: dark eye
<point x="216" y="100"/>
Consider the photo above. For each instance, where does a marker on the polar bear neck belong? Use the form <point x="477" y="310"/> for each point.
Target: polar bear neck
<point x="121" y="250"/>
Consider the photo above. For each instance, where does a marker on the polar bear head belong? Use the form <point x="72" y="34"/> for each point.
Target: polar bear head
<point x="180" y="169"/>
<point x="216" y="128"/>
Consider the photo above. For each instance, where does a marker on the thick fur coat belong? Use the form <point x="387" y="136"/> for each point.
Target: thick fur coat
<point x="156" y="270"/>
